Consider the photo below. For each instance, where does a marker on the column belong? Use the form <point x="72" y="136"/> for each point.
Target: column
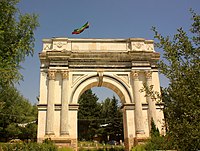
<point x="50" y="102"/>
<point x="150" y="101"/>
<point x="139" y="124"/>
<point x="64" y="101"/>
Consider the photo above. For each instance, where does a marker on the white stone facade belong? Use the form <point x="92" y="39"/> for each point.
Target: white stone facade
<point x="71" y="66"/>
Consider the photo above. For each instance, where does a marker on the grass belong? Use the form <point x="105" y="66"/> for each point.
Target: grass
<point x="65" y="149"/>
<point x="95" y="146"/>
<point x="138" y="148"/>
<point x="83" y="146"/>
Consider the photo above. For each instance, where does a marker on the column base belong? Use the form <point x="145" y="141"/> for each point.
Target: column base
<point x="140" y="140"/>
<point x="140" y="137"/>
<point x="66" y="142"/>
<point x="61" y="141"/>
<point x="65" y="133"/>
<point x="140" y="132"/>
<point x="129" y="143"/>
<point x="50" y="134"/>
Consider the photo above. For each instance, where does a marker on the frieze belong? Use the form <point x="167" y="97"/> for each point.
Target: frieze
<point x="138" y="46"/>
<point x="149" y="47"/>
<point x="59" y="45"/>
<point x="47" y="46"/>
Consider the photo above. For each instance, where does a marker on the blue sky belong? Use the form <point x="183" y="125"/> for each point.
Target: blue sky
<point x="108" y="19"/>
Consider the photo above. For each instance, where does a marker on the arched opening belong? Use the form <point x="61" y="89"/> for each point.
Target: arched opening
<point x="100" y="120"/>
<point x="109" y="125"/>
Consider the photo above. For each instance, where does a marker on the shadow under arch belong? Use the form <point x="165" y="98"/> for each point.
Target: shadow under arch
<point x="108" y="81"/>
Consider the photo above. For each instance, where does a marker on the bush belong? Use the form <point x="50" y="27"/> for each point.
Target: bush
<point x="139" y="148"/>
<point x="29" y="147"/>
<point x="159" y="143"/>
<point x="103" y="149"/>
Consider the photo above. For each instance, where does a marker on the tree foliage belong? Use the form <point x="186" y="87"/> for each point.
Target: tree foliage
<point x="157" y="141"/>
<point x="112" y="114"/>
<point x="89" y="110"/>
<point x="181" y="65"/>
<point x="16" y="40"/>
<point x="99" y="119"/>
<point x="16" y="110"/>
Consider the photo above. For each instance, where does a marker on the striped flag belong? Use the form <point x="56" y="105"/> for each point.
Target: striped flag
<point x="80" y="30"/>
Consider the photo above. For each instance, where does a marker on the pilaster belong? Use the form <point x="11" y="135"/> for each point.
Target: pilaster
<point x="139" y="121"/>
<point x="65" y="104"/>
<point x="50" y="104"/>
<point x="150" y="101"/>
<point x="129" y="125"/>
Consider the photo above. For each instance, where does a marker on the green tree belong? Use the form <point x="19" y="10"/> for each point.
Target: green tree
<point x="181" y="65"/>
<point x="115" y="128"/>
<point x="88" y="115"/>
<point x="29" y="131"/>
<point x="154" y="130"/>
<point x="113" y="120"/>
<point x="15" y="111"/>
<point x="16" y="40"/>
<point x="157" y="142"/>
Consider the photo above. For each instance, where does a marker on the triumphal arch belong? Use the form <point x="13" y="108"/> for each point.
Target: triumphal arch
<point x="70" y="66"/>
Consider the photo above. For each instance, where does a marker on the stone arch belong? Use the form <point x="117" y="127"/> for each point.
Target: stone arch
<point x="69" y="66"/>
<point x="108" y="81"/>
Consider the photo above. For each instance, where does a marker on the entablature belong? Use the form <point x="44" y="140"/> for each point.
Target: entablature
<point x="97" y="44"/>
<point x="136" y="52"/>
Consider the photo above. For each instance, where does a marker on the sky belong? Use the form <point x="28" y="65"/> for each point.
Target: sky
<point x="108" y="19"/>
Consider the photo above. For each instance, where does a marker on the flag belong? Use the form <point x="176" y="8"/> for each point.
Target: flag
<point x="80" y="30"/>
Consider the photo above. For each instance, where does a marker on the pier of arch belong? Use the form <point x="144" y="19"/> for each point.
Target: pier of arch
<point x="70" y="66"/>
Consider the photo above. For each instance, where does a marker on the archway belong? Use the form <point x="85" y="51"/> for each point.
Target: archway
<point x="100" y="120"/>
<point x="109" y="82"/>
<point x="71" y="66"/>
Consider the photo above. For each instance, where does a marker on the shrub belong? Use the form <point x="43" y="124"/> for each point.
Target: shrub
<point x="29" y="147"/>
<point x="159" y="143"/>
<point x="139" y="148"/>
<point x="103" y="149"/>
